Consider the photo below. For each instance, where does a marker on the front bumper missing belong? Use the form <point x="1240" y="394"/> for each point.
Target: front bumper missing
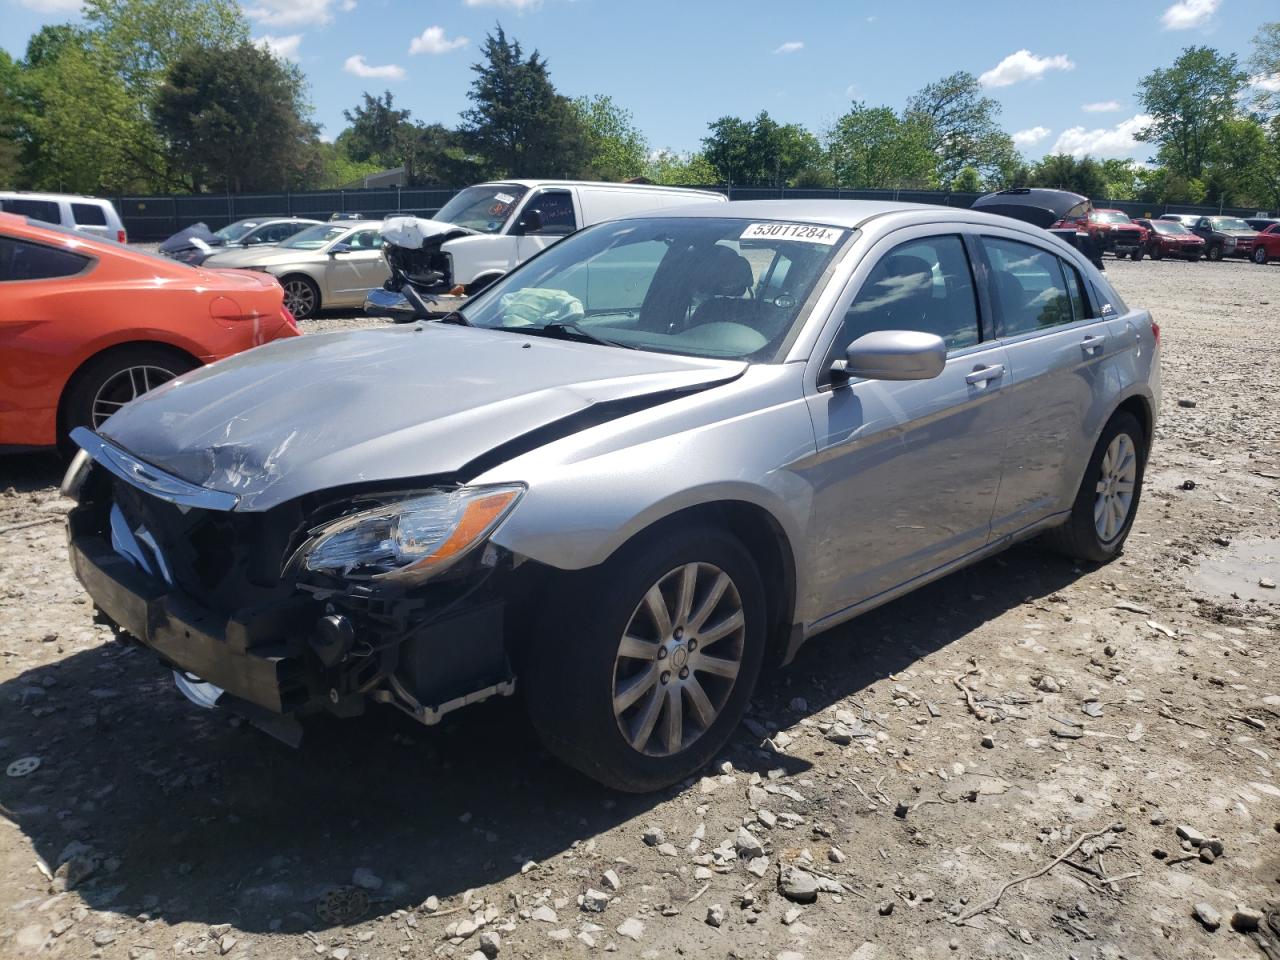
<point x="380" y="302"/>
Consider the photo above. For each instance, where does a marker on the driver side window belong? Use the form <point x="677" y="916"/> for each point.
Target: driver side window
<point x="924" y="285"/>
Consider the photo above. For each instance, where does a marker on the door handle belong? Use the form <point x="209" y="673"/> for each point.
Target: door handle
<point x="1092" y="344"/>
<point x="982" y="374"/>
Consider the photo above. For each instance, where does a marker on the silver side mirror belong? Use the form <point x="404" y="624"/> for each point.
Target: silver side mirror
<point x="894" y="355"/>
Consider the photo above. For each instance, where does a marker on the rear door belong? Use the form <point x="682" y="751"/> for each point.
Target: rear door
<point x="906" y="473"/>
<point x="1058" y="343"/>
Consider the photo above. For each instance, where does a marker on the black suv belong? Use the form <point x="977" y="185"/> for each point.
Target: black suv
<point x="1225" y="237"/>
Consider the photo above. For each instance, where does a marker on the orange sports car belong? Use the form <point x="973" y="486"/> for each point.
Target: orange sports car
<point x="86" y="325"/>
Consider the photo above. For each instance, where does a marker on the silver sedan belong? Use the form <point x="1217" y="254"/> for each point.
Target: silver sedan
<point x="631" y="475"/>
<point x="328" y="265"/>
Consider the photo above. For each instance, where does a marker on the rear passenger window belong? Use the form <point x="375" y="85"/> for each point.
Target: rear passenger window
<point x="43" y="210"/>
<point x="923" y="285"/>
<point x="1080" y="308"/>
<point x="89" y="215"/>
<point x="20" y="260"/>
<point x="1030" y="288"/>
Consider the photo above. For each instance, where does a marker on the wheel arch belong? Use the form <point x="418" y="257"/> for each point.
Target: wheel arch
<point x="82" y="368"/>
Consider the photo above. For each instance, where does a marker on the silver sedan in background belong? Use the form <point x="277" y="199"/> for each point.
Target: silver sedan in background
<point x="642" y="467"/>
<point x="327" y="265"/>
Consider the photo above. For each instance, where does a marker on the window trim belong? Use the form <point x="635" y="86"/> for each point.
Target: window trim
<point x="818" y="373"/>
<point x="531" y="201"/>
<point x="90" y="261"/>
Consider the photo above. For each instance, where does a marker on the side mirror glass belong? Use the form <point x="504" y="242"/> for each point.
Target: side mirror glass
<point x="338" y="248"/>
<point x="531" y="221"/>
<point x="894" y="355"/>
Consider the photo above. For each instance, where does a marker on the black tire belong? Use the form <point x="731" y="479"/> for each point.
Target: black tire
<point x="1214" y="253"/>
<point x="301" y="296"/>
<point x="569" y="679"/>
<point x="1136" y="256"/>
<point x="1157" y="253"/>
<point x="1078" y="538"/>
<point x="105" y="372"/>
<point x="1260" y="255"/>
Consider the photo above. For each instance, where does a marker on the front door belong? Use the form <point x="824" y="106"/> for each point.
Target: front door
<point x="352" y="273"/>
<point x="555" y="219"/>
<point x="905" y="474"/>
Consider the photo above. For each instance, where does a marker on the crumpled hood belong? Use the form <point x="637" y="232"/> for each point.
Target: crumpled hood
<point x="415" y="233"/>
<point x="326" y="410"/>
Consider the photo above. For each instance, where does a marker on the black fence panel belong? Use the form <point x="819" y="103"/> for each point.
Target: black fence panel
<point x="154" y="218"/>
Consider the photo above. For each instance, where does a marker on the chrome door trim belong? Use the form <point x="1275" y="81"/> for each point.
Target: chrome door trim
<point x="156" y="482"/>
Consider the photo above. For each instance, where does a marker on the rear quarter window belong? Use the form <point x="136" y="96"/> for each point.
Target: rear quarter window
<point x="89" y="214"/>
<point x="21" y="260"/>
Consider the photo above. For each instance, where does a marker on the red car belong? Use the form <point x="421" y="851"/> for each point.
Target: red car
<point x="1111" y="230"/>
<point x="1168" y="238"/>
<point x="1267" y="245"/>
<point x="86" y="325"/>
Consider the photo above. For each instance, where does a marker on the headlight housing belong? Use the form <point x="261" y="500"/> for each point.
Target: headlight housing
<point x="409" y="540"/>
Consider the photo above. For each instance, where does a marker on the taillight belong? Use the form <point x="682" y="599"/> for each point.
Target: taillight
<point x="121" y="237"/>
<point x="1155" y="332"/>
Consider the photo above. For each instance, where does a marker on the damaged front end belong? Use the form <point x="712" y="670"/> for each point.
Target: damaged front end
<point x="421" y="272"/>
<point x="317" y="604"/>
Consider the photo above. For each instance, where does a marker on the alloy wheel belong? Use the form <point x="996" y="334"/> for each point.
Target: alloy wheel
<point x="678" y="659"/>
<point x="129" y="384"/>
<point x="299" y="298"/>
<point x="1115" y="488"/>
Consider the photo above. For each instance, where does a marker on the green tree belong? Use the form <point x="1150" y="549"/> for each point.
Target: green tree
<point x="680" y="169"/>
<point x="968" y="180"/>
<point x="517" y="121"/>
<point x="874" y="147"/>
<point x="1240" y="170"/>
<point x="12" y="121"/>
<point x="616" y="147"/>
<point x="965" y="131"/>
<point x="47" y="43"/>
<point x="378" y="132"/>
<point x="1189" y="103"/>
<point x="235" y="119"/>
<point x="1265" y="64"/>
<point x="760" y="151"/>
<point x="1120" y="179"/>
<point x="1061" y="171"/>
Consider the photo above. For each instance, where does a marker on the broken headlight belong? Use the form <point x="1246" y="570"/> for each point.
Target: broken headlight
<point x="409" y="540"/>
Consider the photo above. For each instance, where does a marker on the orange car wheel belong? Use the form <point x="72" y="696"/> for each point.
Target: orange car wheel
<point x="110" y="380"/>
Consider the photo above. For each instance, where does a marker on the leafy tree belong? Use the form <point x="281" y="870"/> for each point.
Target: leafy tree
<point x="436" y="154"/>
<point x="1189" y="103"/>
<point x="47" y="43"/>
<point x="378" y="132"/>
<point x="680" y="169"/>
<point x="874" y="147"/>
<point x="1061" y="171"/>
<point x="965" y="131"/>
<point x="617" y="148"/>
<point x="1241" y="168"/>
<point x="517" y="121"/>
<point x="1265" y="63"/>
<point x="760" y="151"/>
<point x="968" y="180"/>
<point x="335" y="167"/>
<point x="11" y="121"/>
<point x="235" y="118"/>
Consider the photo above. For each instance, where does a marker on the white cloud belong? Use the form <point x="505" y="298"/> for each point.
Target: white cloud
<point x="1118" y="141"/>
<point x="520" y="6"/>
<point x="356" y="64"/>
<point x="1023" y="65"/>
<point x="52" y="6"/>
<point x="292" y="13"/>
<point x="791" y="46"/>
<point x="1188" y="14"/>
<point x="346" y="6"/>
<point x="1027" y="138"/>
<point x="286" y="48"/>
<point x="1269" y="83"/>
<point x="434" y="41"/>
<point x="1102" y="106"/>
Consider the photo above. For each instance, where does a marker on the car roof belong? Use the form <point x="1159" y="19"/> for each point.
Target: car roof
<point x="833" y="213"/>
<point x="657" y="187"/>
<point x="78" y="197"/>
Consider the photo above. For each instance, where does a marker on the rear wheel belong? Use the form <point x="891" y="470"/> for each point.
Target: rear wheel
<point x="1157" y="253"/>
<point x="110" y="381"/>
<point x="646" y="664"/>
<point x="1107" y="500"/>
<point x="1259" y="255"/>
<point x="301" y="297"/>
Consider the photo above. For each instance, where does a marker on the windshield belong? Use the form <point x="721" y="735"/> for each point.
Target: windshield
<point x="234" y="231"/>
<point x="700" y="287"/>
<point x="1229" y="223"/>
<point x="1169" y="227"/>
<point x="313" y="238"/>
<point x="1109" y="216"/>
<point x="484" y="209"/>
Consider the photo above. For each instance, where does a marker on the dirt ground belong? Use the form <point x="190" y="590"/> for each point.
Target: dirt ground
<point x="1019" y="711"/>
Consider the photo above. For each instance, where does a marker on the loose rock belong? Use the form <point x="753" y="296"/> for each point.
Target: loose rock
<point x="715" y="915"/>
<point x="1208" y="916"/>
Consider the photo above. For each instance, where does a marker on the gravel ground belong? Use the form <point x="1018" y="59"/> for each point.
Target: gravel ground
<point x="1019" y="712"/>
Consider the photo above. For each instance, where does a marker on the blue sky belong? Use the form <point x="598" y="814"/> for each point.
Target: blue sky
<point x="1066" y="73"/>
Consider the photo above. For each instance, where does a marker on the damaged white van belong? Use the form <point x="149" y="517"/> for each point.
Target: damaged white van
<point x="486" y="230"/>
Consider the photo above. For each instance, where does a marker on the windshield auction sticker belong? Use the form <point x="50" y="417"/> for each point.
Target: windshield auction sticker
<point x="804" y="232"/>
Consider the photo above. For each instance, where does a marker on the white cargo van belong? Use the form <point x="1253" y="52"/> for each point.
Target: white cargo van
<point x="485" y="230"/>
<point x="91" y="215"/>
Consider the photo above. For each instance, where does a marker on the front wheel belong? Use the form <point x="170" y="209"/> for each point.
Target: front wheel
<point x="117" y="377"/>
<point x="647" y="663"/>
<point x="1157" y="253"/>
<point x="1214" y="253"/>
<point x="1107" y="500"/>
<point x="301" y="297"/>
<point x="1259" y="255"/>
<point x="1136" y="255"/>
